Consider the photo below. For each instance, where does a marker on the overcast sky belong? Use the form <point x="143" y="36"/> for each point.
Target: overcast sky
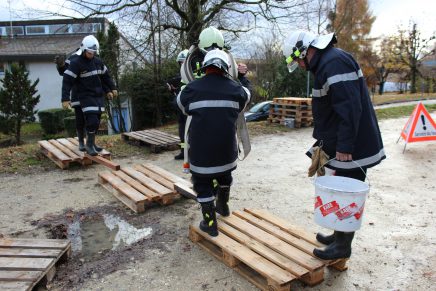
<point x="390" y="14"/>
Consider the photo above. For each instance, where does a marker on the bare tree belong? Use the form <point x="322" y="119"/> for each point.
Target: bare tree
<point x="411" y="49"/>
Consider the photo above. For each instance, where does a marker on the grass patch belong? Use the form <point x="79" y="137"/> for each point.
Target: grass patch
<point x="395" y="98"/>
<point x="400" y="111"/>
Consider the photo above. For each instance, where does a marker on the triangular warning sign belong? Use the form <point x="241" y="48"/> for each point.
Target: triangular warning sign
<point x="420" y="126"/>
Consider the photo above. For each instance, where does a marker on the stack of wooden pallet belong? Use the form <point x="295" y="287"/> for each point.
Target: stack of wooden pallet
<point x="268" y="251"/>
<point x="141" y="185"/>
<point x="299" y="109"/>
<point x="26" y="263"/>
<point x="64" y="151"/>
<point x="157" y="140"/>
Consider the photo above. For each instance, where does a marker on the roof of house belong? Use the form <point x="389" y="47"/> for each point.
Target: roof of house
<point x="38" y="47"/>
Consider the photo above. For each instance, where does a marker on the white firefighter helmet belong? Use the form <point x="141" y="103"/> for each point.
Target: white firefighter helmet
<point x="217" y="58"/>
<point x="296" y="45"/>
<point x="90" y="43"/>
<point x="181" y="57"/>
<point x="210" y="38"/>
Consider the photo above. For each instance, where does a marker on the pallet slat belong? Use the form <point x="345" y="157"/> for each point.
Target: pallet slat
<point x="33" y="243"/>
<point x="24" y="264"/>
<point x="29" y="253"/>
<point x="28" y="276"/>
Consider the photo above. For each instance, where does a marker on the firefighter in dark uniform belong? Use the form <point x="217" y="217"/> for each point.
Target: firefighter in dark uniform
<point x="345" y="124"/>
<point x="174" y="85"/>
<point x="92" y="81"/>
<point x="214" y="102"/>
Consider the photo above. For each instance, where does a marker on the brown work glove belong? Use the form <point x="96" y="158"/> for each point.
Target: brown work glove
<point x="319" y="159"/>
<point x="110" y="95"/>
<point x="66" y="104"/>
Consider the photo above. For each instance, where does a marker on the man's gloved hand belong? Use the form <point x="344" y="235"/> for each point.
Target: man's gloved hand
<point x="242" y="69"/>
<point x="66" y="104"/>
<point x="110" y="95"/>
<point x="115" y="93"/>
<point x="59" y="61"/>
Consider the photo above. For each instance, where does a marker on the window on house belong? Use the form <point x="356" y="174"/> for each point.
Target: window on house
<point x="58" y="28"/>
<point x="16" y="30"/>
<point x="82" y="28"/>
<point x="35" y="29"/>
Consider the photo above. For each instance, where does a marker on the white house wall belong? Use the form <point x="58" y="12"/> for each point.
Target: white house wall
<point x="49" y="86"/>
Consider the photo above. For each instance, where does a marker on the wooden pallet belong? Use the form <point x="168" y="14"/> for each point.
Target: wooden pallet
<point x="64" y="151"/>
<point x="300" y="109"/>
<point x="26" y="263"/>
<point x="265" y="249"/>
<point x="157" y="140"/>
<point x="141" y="185"/>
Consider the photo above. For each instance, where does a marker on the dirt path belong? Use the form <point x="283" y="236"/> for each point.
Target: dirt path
<point x="394" y="250"/>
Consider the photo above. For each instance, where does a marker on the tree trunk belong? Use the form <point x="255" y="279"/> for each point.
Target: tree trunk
<point x="18" y="131"/>
<point x="381" y="87"/>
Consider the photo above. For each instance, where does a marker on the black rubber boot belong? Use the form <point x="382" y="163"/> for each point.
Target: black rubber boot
<point x="180" y="156"/>
<point x="97" y="148"/>
<point x="90" y="149"/>
<point x="325" y="239"/>
<point x="81" y="138"/>
<point x="209" y="224"/>
<point x="339" y="249"/>
<point x="223" y="195"/>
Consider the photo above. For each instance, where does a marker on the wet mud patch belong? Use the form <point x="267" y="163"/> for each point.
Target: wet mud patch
<point x="108" y="238"/>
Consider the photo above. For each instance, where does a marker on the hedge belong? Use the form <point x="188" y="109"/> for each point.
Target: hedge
<point x="52" y="120"/>
<point x="70" y="125"/>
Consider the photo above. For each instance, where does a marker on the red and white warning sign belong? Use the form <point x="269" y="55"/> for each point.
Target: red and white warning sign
<point x="419" y="127"/>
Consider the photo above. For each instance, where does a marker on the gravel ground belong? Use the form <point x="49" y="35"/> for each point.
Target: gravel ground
<point x="394" y="250"/>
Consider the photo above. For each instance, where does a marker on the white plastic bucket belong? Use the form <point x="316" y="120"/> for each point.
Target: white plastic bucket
<point x="339" y="202"/>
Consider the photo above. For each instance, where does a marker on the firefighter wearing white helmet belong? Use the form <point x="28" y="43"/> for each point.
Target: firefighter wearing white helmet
<point x="214" y="103"/>
<point x="91" y="44"/>
<point x="345" y="125"/>
<point x="92" y="80"/>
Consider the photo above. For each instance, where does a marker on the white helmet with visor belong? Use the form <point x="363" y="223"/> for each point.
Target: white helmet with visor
<point x="296" y="46"/>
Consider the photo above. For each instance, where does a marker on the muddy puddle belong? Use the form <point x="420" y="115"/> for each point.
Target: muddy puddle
<point x="91" y="237"/>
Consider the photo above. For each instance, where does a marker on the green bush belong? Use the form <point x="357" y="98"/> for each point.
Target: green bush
<point x="52" y="120"/>
<point x="70" y="125"/>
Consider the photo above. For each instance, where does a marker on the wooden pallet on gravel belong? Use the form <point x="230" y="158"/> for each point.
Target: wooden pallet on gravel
<point x="141" y="185"/>
<point x="268" y="251"/>
<point x="26" y="263"/>
<point x="300" y="109"/>
<point x="64" y="151"/>
<point x="157" y="140"/>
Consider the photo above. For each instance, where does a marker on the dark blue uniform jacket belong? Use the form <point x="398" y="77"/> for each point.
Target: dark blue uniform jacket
<point x="214" y="102"/>
<point x="344" y="117"/>
<point x="92" y="79"/>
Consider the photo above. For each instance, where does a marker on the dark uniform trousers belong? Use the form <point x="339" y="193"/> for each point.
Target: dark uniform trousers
<point x="204" y="186"/>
